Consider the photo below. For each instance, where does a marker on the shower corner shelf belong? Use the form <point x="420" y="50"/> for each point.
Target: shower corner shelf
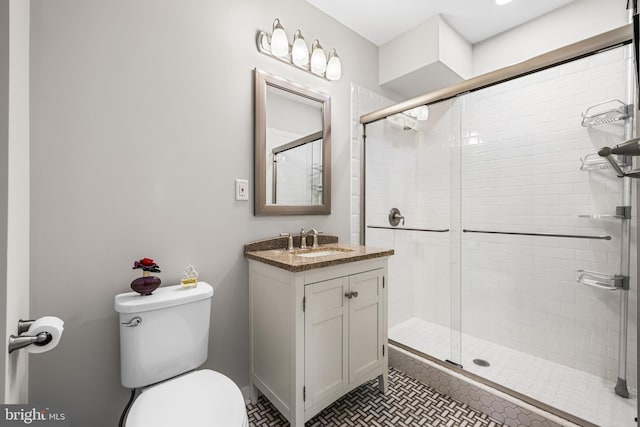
<point x="593" y="162"/>
<point x="616" y="111"/>
<point x="600" y="216"/>
<point x="622" y="212"/>
<point x="608" y="282"/>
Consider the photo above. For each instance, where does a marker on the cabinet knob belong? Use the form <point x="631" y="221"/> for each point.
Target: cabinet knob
<point x="351" y="295"/>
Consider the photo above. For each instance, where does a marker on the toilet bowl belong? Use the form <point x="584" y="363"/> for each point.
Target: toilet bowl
<point x="202" y="398"/>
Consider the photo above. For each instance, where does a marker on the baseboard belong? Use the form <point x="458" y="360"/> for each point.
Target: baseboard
<point x="246" y="394"/>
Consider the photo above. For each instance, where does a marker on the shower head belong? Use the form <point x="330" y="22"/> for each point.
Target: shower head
<point x="627" y="148"/>
<point x="604" y="152"/>
<point x="403" y="122"/>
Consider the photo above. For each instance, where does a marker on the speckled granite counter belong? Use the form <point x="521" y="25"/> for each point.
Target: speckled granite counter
<point x="289" y="261"/>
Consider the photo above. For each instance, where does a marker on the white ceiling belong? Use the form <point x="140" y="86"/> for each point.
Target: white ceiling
<point x="380" y="21"/>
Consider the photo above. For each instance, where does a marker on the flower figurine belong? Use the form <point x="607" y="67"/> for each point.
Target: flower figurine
<point x="147" y="264"/>
<point x="146" y="284"/>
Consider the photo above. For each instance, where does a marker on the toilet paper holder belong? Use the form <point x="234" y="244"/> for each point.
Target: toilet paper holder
<point x="21" y="341"/>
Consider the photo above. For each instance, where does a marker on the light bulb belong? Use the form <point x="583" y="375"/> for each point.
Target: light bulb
<point x="501" y="2"/>
<point x="334" y="67"/>
<point x="318" y="58"/>
<point x="279" y="41"/>
<point x="299" y="50"/>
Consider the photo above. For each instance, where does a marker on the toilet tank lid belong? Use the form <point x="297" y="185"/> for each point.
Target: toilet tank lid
<point x="167" y="296"/>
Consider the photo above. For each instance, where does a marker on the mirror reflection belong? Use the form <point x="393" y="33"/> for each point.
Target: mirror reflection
<point x="294" y="149"/>
<point x="293" y="171"/>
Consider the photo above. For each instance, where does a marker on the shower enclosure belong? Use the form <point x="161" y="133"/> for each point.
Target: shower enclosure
<point x="514" y="259"/>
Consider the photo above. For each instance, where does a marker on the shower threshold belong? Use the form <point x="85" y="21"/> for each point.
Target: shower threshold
<point x="537" y="381"/>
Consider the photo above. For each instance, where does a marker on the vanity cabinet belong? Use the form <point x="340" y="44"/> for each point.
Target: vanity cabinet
<point x="316" y="334"/>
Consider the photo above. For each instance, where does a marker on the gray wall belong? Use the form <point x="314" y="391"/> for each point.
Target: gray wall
<point x="142" y="117"/>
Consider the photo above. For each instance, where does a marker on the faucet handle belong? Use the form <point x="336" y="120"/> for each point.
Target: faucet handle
<point x="303" y="238"/>
<point x="315" y="238"/>
<point x="289" y="242"/>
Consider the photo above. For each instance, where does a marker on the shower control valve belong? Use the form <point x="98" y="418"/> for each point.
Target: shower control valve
<point x="395" y="216"/>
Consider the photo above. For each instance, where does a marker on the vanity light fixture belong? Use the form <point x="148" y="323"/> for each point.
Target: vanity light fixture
<point x="277" y="45"/>
<point x="318" y="58"/>
<point x="334" y="66"/>
<point x="299" y="50"/>
<point x="501" y="2"/>
<point x="279" y="41"/>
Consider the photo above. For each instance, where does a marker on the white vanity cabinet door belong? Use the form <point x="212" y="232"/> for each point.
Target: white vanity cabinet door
<point x="343" y="333"/>
<point x="326" y="339"/>
<point x="365" y="323"/>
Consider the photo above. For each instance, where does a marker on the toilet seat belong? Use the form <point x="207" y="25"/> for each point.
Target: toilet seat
<point x="202" y="398"/>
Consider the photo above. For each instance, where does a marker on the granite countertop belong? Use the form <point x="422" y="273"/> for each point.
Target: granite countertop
<point x="282" y="258"/>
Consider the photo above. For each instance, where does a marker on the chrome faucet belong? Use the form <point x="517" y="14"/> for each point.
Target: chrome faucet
<point x="303" y="237"/>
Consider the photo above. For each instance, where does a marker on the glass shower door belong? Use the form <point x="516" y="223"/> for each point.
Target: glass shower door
<point x="408" y="164"/>
<point x="538" y="210"/>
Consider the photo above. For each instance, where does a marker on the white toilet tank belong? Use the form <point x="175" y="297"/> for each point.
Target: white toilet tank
<point x="168" y="333"/>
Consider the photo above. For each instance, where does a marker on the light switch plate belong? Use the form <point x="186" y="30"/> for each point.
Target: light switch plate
<point x="242" y="189"/>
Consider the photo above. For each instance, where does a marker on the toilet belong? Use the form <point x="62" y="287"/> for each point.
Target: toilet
<point x="163" y="339"/>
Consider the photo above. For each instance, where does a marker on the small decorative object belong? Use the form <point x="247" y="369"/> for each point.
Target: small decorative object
<point x="146" y="284"/>
<point x="189" y="277"/>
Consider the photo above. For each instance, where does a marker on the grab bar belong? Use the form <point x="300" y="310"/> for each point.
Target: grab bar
<point x="608" y="282"/>
<point x="383" y="227"/>
<point x="572" y="236"/>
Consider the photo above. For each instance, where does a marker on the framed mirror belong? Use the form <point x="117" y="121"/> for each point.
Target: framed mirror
<point x="292" y="148"/>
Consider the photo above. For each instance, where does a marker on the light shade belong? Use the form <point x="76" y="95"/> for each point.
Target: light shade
<point x="299" y="50"/>
<point x="318" y="58"/>
<point x="423" y="113"/>
<point x="279" y="41"/>
<point x="334" y="66"/>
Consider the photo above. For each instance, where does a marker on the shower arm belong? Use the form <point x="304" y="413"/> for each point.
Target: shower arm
<point x="614" y="164"/>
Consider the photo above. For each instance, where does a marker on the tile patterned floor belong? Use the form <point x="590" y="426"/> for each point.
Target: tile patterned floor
<point x="576" y="392"/>
<point x="408" y="403"/>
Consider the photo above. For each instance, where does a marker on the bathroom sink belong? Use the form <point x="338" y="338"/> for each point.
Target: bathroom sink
<point x="319" y="252"/>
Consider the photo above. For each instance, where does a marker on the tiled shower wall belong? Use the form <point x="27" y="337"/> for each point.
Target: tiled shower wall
<point x="363" y="101"/>
<point x="508" y="158"/>
<point x="521" y="149"/>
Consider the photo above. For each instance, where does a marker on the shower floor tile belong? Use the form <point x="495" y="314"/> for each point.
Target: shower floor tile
<point x="408" y="403"/>
<point x="579" y="393"/>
